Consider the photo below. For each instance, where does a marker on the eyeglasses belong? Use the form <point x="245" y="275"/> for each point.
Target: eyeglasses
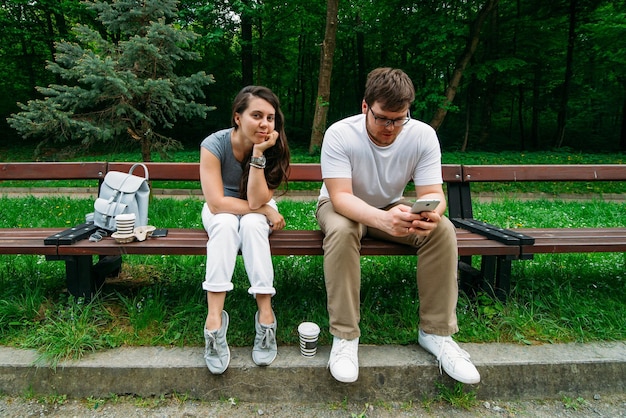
<point x="386" y="122"/>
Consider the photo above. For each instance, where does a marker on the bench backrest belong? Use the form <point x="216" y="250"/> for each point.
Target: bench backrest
<point x="452" y="173"/>
<point x="457" y="177"/>
<point x="557" y="172"/>
<point x="53" y="171"/>
<point x="460" y="199"/>
<point x="299" y="172"/>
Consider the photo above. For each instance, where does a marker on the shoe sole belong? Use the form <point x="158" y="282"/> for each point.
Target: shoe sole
<point x="343" y="380"/>
<point x="264" y="363"/>
<point x="465" y="381"/>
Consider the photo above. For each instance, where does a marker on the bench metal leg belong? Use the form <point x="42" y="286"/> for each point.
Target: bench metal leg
<point x="83" y="278"/>
<point x="470" y="278"/>
<point x="497" y="276"/>
<point x="78" y="276"/>
<point x="503" y="278"/>
<point x="494" y="276"/>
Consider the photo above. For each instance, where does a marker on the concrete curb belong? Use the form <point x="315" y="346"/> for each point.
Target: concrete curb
<point x="387" y="373"/>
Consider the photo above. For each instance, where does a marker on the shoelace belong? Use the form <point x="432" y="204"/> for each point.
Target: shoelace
<point x="345" y="350"/>
<point x="268" y="337"/>
<point x="211" y="344"/>
<point x="453" y="351"/>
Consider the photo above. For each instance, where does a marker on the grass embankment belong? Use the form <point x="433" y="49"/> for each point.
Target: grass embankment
<point x="158" y="300"/>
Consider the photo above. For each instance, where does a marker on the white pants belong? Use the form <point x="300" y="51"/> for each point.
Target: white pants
<point x="228" y="234"/>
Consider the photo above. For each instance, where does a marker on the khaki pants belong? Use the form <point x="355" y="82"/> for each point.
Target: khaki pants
<point x="436" y="272"/>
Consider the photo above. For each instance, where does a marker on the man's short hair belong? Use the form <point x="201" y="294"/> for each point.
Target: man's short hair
<point x="390" y="87"/>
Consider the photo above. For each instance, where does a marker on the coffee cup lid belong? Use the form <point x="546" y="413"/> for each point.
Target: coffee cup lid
<point x="308" y="328"/>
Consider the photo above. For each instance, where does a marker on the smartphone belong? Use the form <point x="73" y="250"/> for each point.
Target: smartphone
<point x="159" y="232"/>
<point x="424" y="205"/>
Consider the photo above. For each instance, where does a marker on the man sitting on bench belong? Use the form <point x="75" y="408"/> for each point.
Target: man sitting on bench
<point x="367" y="161"/>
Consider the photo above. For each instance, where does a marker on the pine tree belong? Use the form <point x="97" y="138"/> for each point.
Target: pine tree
<point x="120" y="81"/>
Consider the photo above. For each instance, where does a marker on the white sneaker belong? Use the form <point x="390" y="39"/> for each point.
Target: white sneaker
<point x="454" y="360"/>
<point x="344" y="360"/>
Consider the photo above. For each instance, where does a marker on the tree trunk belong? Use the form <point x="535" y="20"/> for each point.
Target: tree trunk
<point x="536" y="112"/>
<point x="360" y="53"/>
<point x="622" y="142"/>
<point x="326" y="69"/>
<point x="246" y="46"/>
<point x="470" y="48"/>
<point x="520" y="118"/>
<point x="467" y="124"/>
<point x="569" y="73"/>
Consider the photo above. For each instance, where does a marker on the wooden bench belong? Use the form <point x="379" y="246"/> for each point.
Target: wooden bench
<point x="545" y="240"/>
<point x="496" y="246"/>
<point x="83" y="279"/>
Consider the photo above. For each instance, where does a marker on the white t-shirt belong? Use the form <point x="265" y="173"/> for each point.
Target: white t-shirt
<point x="380" y="174"/>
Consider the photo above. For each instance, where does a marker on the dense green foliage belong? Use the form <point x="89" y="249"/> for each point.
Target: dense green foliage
<point x="540" y="68"/>
<point x="121" y="88"/>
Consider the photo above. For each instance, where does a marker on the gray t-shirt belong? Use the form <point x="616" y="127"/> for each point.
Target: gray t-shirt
<point x="218" y="144"/>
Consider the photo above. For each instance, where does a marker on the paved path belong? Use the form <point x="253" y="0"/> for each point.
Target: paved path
<point x="611" y="406"/>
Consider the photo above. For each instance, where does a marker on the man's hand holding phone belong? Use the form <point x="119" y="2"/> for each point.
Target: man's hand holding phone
<point x="425" y="205"/>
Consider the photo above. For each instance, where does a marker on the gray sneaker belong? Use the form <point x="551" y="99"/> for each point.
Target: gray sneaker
<point x="216" y="351"/>
<point x="265" y="349"/>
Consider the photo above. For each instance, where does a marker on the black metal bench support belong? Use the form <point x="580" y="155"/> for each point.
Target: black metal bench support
<point x="84" y="279"/>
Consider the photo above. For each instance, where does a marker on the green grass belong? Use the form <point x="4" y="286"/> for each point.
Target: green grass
<point x="158" y="300"/>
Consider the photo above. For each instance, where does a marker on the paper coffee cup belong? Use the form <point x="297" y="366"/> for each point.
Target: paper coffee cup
<point x="125" y="223"/>
<point x="309" y="333"/>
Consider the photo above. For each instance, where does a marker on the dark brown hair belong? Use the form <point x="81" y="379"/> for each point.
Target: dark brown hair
<point x="391" y="88"/>
<point x="278" y="156"/>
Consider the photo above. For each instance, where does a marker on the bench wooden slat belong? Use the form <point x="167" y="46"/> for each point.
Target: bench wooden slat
<point x="285" y="242"/>
<point x="162" y="171"/>
<point x="452" y="173"/>
<point x="305" y="172"/>
<point x="27" y="241"/>
<point x="298" y="172"/>
<point x="557" y="172"/>
<point x="576" y="233"/>
<point x="53" y="171"/>
<point x="27" y="247"/>
<point x="28" y="233"/>
<point x="30" y="246"/>
<point x="193" y="242"/>
<point x="575" y="240"/>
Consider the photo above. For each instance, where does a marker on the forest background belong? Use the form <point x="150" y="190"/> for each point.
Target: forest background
<point x="489" y="75"/>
